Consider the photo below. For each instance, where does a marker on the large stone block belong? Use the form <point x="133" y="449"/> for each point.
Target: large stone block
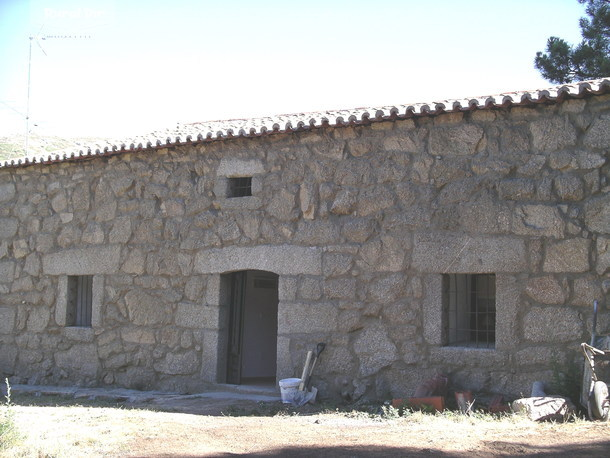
<point x="282" y="205"/>
<point x="588" y="160"/>
<point x="385" y="255"/>
<point x="38" y="319"/>
<point x="603" y="255"/>
<point x="309" y="288"/>
<point x="373" y="200"/>
<point x="81" y="360"/>
<point x="485" y="215"/>
<point x="197" y="316"/>
<point x="178" y="363"/>
<point x="7" y="191"/>
<point x="329" y="149"/>
<point x="458" y="140"/>
<point x="340" y="288"/>
<point x="121" y="230"/>
<point x="387" y="289"/>
<point x="135" y="262"/>
<point x="287" y="288"/>
<point x="453" y="253"/>
<point x="7" y="271"/>
<point x="59" y="202"/>
<point x="552" y="134"/>
<point x="539" y="356"/>
<point x="212" y="354"/>
<point x="7" y="320"/>
<point x="568" y="256"/>
<point x="569" y="187"/>
<point x="598" y="134"/>
<point x="336" y="264"/>
<point x="465" y="357"/>
<point x="86" y="261"/>
<point x="232" y="167"/>
<point x="78" y="334"/>
<point x="302" y="318"/>
<point x="320" y="232"/>
<point x="8" y="356"/>
<point x="404" y="142"/>
<point x="597" y="214"/>
<point x="340" y="361"/>
<point x="279" y="259"/>
<point x="553" y="324"/>
<point x="545" y="290"/>
<point x="344" y="202"/>
<point x="8" y="227"/>
<point x="145" y="309"/>
<point x="141" y="336"/>
<point x="374" y="349"/>
<point x="358" y="229"/>
<point x="586" y="290"/>
<point x="538" y="220"/>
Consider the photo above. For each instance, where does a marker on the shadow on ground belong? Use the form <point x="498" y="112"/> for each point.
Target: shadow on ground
<point x="187" y="404"/>
<point x="490" y="448"/>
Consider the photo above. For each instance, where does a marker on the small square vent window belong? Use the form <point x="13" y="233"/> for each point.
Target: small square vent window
<point x="240" y="187"/>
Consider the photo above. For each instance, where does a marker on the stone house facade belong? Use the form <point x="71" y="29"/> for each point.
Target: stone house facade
<point x="469" y="237"/>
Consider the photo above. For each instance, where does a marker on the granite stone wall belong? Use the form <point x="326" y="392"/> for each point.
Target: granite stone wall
<point x="359" y="223"/>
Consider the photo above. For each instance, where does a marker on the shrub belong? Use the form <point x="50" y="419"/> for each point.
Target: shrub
<point x="8" y="430"/>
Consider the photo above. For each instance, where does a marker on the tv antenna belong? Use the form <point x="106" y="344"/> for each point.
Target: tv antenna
<point x="37" y="39"/>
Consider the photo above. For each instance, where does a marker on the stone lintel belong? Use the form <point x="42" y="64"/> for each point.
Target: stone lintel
<point x="83" y="261"/>
<point x="231" y="167"/>
<point x="281" y="260"/>
<point x="451" y="253"/>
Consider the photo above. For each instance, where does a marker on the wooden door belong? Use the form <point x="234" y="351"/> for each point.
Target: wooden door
<point x="236" y="318"/>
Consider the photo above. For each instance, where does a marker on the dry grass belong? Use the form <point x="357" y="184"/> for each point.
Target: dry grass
<point x="100" y="429"/>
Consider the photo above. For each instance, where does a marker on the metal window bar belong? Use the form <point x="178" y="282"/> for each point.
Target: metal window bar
<point x="240" y="187"/>
<point x="84" y="303"/>
<point x="71" y="301"/>
<point x="469" y="310"/>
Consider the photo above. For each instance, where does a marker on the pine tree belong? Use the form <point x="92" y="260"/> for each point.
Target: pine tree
<point x="563" y="63"/>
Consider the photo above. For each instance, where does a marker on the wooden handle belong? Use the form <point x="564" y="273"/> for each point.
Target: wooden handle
<point x="305" y="371"/>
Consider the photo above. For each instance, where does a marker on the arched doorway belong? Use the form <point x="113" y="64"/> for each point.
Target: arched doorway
<point x="252" y="327"/>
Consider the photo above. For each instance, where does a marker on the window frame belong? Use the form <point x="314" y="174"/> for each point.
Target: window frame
<point x="469" y="310"/>
<point x="80" y="301"/>
<point x="508" y="293"/>
<point x="62" y="315"/>
<point x="239" y="187"/>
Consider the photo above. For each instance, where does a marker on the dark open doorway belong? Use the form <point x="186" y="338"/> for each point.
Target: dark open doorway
<point x="252" y="344"/>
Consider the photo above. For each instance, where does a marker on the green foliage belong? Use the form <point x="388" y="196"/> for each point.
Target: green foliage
<point x="8" y="430"/>
<point x="563" y="63"/>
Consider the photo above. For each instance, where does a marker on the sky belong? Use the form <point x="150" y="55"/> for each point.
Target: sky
<point x="116" y="68"/>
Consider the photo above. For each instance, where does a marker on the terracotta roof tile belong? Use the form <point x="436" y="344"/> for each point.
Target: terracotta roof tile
<point x="219" y="130"/>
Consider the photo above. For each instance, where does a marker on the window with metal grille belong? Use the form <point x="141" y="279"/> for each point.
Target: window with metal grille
<point x="469" y="306"/>
<point x="80" y="299"/>
<point x="240" y="187"/>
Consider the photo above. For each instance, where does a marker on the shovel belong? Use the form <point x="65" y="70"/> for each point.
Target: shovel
<point x="319" y="349"/>
<point x="306" y="393"/>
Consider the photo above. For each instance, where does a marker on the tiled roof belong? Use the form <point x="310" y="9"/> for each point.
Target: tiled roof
<point x="220" y="130"/>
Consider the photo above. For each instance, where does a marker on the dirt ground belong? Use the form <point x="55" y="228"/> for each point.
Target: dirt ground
<point x="224" y="427"/>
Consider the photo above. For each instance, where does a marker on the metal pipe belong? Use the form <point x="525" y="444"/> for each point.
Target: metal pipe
<point x="593" y="331"/>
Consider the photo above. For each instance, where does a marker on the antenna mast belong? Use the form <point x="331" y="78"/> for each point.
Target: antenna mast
<point x="27" y="112"/>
